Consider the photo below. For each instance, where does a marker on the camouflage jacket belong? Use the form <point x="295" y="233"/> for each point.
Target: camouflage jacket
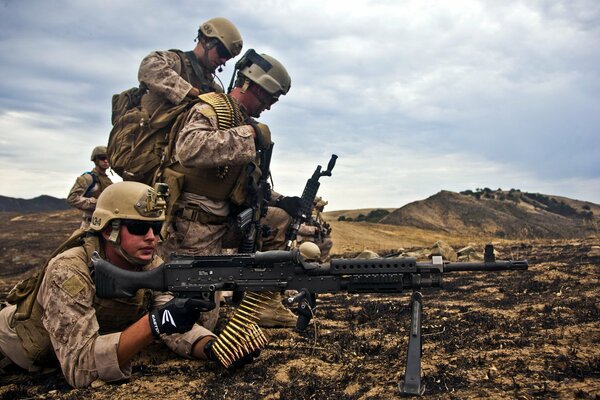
<point x="162" y="73"/>
<point x="75" y="324"/>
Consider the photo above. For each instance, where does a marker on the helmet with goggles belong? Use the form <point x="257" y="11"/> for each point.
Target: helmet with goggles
<point x="129" y="201"/>
<point x="265" y="71"/>
<point x="98" y="151"/>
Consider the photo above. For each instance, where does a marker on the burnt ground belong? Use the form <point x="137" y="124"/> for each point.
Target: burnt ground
<point x="520" y="335"/>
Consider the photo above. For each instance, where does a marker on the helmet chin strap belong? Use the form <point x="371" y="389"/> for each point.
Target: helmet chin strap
<point x="115" y="241"/>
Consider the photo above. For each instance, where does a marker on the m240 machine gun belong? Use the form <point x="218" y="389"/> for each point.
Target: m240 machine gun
<point x="280" y="270"/>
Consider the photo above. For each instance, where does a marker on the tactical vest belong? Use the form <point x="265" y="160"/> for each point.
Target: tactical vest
<point x="215" y="183"/>
<point x="113" y="315"/>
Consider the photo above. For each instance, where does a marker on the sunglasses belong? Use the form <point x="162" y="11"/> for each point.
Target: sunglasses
<point x="222" y="51"/>
<point x="140" y="228"/>
<point x="102" y="158"/>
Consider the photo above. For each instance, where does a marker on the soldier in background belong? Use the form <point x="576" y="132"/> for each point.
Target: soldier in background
<point x="84" y="193"/>
<point x="317" y="230"/>
<point x="171" y="76"/>
<point x="94" y="338"/>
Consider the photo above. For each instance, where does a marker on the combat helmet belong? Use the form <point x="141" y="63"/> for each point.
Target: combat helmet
<point x="265" y="71"/>
<point x="310" y="251"/>
<point x="129" y="200"/>
<point x="223" y="30"/>
<point x="98" y="151"/>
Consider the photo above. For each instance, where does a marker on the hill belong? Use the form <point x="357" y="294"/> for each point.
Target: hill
<point x="37" y="204"/>
<point x="509" y="214"/>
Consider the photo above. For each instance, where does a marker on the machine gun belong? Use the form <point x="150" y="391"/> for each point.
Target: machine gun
<point x="308" y="198"/>
<point x="280" y="270"/>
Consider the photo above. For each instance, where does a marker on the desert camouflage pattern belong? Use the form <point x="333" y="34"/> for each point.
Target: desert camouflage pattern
<point x="87" y="204"/>
<point x="67" y="297"/>
<point x="163" y="75"/>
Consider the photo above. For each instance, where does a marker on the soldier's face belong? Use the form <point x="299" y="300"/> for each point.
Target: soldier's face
<point x="140" y="246"/>
<point x="102" y="162"/>
<point x="216" y="58"/>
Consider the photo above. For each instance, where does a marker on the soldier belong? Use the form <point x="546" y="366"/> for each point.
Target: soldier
<point x="317" y="230"/>
<point x="212" y="153"/>
<point x="89" y="185"/>
<point x="95" y="338"/>
<point x="171" y="76"/>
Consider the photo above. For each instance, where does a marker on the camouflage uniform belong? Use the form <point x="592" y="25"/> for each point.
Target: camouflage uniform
<point x="167" y="82"/>
<point x="318" y="231"/>
<point x="87" y="204"/>
<point x="84" y="331"/>
<point x="200" y="145"/>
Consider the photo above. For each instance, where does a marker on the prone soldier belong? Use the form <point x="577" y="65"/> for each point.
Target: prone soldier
<point x="95" y="338"/>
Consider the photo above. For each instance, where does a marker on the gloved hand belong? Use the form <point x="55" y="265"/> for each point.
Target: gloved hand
<point x="177" y="316"/>
<point x="238" y="364"/>
<point x="291" y="205"/>
<point x="262" y="139"/>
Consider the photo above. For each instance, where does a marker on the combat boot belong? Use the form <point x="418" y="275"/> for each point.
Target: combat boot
<point x="277" y="316"/>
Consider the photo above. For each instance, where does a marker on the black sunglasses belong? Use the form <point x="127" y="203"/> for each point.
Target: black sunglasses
<point x="222" y="50"/>
<point x="140" y="228"/>
<point x="102" y="158"/>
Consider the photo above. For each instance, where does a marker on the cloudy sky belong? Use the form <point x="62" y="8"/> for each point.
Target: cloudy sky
<point x="413" y="96"/>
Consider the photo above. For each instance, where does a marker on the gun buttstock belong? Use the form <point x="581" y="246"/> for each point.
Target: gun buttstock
<point x="114" y="282"/>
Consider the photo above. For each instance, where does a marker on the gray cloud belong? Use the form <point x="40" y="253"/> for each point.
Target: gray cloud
<point x="414" y="96"/>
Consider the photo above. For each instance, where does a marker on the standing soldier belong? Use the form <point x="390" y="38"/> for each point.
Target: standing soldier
<point x="317" y="230"/>
<point x="171" y="76"/>
<point x="210" y="176"/>
<point x="89" y="185"/>
<point x="94" y="338"/>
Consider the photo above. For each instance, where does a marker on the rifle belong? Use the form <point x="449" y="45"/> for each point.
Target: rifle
<point x="249" y="220"/>
<point x="308" y="197"/>
<point x="280" y="270"/>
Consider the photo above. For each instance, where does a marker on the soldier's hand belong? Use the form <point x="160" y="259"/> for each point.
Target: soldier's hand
<point x="237" y="364"/>
<point x="177" y="316"/>
<point x="262" y="137"/>
<point x="290" y="204"/>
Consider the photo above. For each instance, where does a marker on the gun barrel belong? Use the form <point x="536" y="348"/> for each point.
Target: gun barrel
<point x="487" y="266"/>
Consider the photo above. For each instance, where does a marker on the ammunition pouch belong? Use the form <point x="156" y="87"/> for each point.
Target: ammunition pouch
<point x="247" y="183"/>
<point x="175" y="181"/>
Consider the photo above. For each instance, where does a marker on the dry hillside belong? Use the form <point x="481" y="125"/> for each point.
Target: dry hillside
<point x="510" y="214"/>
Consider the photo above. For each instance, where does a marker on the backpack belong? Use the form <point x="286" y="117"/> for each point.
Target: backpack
<point x="138" y="143"/>
<point x="24" y="293"/>
<point x="126" y="100"/>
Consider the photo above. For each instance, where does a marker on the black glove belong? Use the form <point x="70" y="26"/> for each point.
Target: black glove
<point x="291" y="205"/>
<point x="238" y="364"/>
<point x="177" y="316"/>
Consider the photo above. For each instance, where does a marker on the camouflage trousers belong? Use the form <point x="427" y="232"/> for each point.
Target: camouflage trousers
<point x="198" y="239"/>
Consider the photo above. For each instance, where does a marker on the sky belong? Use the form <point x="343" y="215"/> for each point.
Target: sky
<point x="414" y="97"/>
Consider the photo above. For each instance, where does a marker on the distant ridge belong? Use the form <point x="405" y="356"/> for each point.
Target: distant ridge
<point x="501" y="213"/>
<point x="37" y="204"/>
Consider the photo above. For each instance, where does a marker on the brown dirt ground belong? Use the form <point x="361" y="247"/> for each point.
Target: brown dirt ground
<point x="520" y="335"/>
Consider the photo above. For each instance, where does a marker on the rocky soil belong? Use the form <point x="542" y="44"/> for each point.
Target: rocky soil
<point x="522" y="335"/>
